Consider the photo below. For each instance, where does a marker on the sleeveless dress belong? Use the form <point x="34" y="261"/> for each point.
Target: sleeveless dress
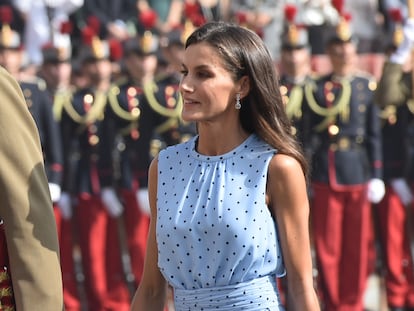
<point x="217" y="242"/>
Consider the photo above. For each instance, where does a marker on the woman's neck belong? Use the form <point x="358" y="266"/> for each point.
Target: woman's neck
<point x="218" y="140"/>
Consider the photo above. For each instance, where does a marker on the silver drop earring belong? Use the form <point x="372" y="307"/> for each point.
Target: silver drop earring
<point x="237" y="105"/>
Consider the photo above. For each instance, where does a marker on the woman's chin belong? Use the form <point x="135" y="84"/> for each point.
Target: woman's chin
<point x="189" y="116"/>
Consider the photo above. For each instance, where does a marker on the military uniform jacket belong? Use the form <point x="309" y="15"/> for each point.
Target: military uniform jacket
<point x="394" y="96"/>
<point x="135" y="115"/>
<point x="397" y="127"/>
<point x="81" y="134"/>
<point x="346" y="133"/>
<point x="25" y="206"/>
<point x="293" y="95"/>
<point x="40" y="106"/>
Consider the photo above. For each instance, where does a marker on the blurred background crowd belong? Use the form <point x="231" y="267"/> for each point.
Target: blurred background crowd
<point x="43" y="22"/>
<point x="101" y="80"/>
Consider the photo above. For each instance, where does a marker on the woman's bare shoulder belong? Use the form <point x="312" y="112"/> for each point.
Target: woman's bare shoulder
<point x="284" y="165"/>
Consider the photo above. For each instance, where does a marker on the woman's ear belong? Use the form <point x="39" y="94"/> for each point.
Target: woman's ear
<point x="244" y="86"/>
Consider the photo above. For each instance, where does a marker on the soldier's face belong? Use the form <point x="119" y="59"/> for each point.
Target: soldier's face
<point x="342" y="55"/>
<point x="139" y="66"/>
<point x="98" y="70"/>
<point x="296" y="62"/>
<point x="56" y="74"/>
<point x="11" y="59"/>
<point x="174" y="55"/>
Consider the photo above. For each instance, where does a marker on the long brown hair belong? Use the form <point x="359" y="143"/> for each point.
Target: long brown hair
<point x="244" y="54"/>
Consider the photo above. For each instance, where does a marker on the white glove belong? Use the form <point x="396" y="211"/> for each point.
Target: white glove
<point x="111" y="202"/>
<point x="403" y="50"/>
<point x="376" y="190"/>
<point x="143" y="201"/>
<point x="65" y="205"/>
<point x="401" y="188"/>
<point x="55" y="192"/>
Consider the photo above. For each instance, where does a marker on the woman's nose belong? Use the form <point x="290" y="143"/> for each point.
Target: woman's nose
<point x="185" y="85"/>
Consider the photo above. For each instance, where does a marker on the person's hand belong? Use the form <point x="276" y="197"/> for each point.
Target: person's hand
<point x="403" y="50"/>
<point x="401" y="188"/>
<point x="143" y="201"/>
<point x="65" y="205"/>
<point x="376" y="190"/>
<point x="111" y="202"/>
<point x="55" y="192"/>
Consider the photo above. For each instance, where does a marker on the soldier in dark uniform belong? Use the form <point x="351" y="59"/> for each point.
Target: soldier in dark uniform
<point x="295" y="74"/>
<point x="346" y="173"/>
<point x="394" y="95"/>
<point x="97" y="208"/>
<point x="142" y="116"/>
<point x="55" y="71"/>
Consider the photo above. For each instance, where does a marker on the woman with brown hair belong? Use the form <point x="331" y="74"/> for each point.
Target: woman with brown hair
<point x="229" y="209"/>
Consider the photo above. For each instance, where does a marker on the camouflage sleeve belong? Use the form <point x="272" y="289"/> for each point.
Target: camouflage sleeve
<point x="393" y="87"/>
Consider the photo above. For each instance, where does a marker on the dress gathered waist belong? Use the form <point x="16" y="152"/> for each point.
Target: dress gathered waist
<point x="257" y="294"/>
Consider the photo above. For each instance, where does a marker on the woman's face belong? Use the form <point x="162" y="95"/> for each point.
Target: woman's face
<point x="208" y="89"/>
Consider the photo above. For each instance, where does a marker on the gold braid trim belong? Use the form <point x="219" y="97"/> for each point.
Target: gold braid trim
<point x="60" y="98"/>
<point x="95" y="113"/>
<point x="6" y="292"/>
<point x="294" y="104"/>
<point x="116" y="107"/>
<point x="149" y="90"/>
<point x="341" y="107"/>
<point x="4" y="276"/>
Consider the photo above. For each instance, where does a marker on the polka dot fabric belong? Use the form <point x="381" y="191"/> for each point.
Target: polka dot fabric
<point x="214" y="228"/>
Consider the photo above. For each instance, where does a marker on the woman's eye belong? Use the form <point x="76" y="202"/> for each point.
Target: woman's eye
<point x="184" y="72"/>
<point x="202" y="74"/>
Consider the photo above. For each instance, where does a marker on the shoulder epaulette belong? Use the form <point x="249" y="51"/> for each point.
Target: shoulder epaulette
<point x="39" y="82"/>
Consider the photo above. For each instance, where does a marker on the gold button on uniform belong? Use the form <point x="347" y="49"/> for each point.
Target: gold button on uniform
<point x="132" y="92"/>
<point x="344" y="143"/>
<point x="333" y="130"/>
<point x="330" y="96"/>
<point x="93" y="140"/>
<point x="135" y="112"/>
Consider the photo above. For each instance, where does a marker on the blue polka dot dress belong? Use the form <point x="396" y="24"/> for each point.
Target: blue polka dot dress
<point x="217" y="241"/>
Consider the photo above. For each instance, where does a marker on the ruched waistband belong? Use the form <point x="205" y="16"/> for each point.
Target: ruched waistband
<point x="258" y="294"/>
